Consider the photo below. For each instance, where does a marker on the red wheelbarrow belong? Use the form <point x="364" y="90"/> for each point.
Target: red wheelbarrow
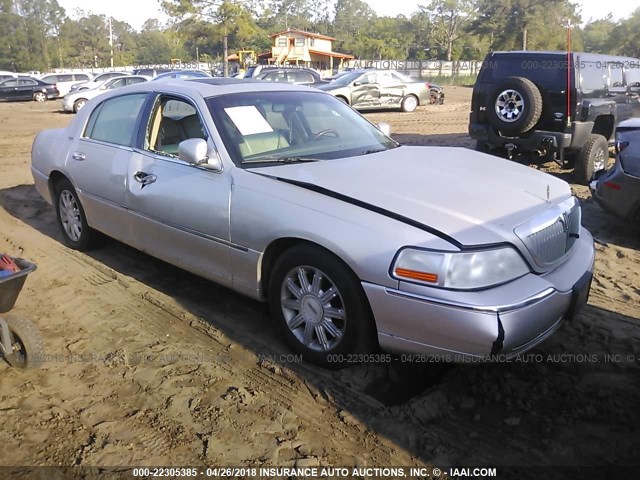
<point x="20" y="341"/>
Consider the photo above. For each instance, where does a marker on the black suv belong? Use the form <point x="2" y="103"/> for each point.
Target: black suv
<point x="557" y="105"/>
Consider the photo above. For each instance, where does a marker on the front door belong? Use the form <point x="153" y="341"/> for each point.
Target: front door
<point x="181" y="210"/>
<point x="365" y="91"/>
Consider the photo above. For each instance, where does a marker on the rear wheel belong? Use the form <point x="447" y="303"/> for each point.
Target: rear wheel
<point x="409" y="103"/>
<point x="71" y="218"/>
<point x="320" y="306"/>
<point x="39" y="97"/>
<point x="592" y="158"/>
<point x="27" y="350"/>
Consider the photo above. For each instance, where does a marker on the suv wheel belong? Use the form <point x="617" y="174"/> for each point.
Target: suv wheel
<point x="592" y="158"/>
<point x="517" y="106"/>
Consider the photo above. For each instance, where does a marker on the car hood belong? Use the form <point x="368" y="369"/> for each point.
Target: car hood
<point x="472" y="197"/>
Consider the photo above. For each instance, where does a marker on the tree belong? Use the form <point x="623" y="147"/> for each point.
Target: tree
<point x="449" y="19"/>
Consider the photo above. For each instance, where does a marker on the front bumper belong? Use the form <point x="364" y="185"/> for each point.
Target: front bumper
<point x="507" y="320"/>
<point x="67" y="104"/>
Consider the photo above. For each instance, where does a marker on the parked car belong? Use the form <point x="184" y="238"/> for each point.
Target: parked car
<point x="96" y="81"/>
<point x="181" y="75"/>
<point x="299" y="76"/>
<point x="285" y="194"/>
<point x="64" y="81"/>
<point x="151" y="72"/>
<point x="524" y="102"/>
<point x="374" y="89"/>
<point x="25" y="88"/>
<point x="5" y="75"/>
<point x="617" y="190"/>
<point x="74" y="102"/>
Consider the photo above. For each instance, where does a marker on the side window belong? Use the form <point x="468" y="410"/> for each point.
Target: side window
<point x="81" y="77"/>
<point x="633" y="77"/>
<point x="26" y="82"/>
<point x="385" y="79"/>
<point x="50" y="79"/>
<point x="616" y="79"/>
<point x="133" y="81"/>
<point x="591" y="76"/>
<point x="116" y="83"/>
<point x="114" y="120"/>
<point x="10" y="83"/>
<point x="65" y="78"/>
<point x="301" y="77"/>
<point x="172" y="121"/>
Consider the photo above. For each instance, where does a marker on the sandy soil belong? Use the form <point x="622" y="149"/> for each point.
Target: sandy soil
<point x="149" y="365"/>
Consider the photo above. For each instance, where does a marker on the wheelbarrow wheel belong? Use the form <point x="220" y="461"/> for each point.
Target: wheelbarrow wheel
<point x="27" y="343"/>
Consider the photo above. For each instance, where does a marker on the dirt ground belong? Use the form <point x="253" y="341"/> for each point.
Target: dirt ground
<point x="149" y="365"/>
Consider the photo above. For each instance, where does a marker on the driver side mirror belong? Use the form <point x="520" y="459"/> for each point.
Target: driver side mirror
<point x="195" y="151"/>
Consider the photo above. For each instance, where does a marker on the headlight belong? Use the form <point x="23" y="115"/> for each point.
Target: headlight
<point x="459" y="270"/>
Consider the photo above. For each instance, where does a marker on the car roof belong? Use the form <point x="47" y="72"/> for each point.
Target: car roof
<point x="630" y="123"/>
<point x="211" y="87"/>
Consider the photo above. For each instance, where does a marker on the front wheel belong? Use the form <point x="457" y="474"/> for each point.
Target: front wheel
<point x="71" y="218"/>
<point x="409" y="103"/>
<point x="27" y="351"/>
<point x="592" y="158"/>
<point x="78" y="104"/>
<point x="320" y="307"/>
<point x="39" y="97"/>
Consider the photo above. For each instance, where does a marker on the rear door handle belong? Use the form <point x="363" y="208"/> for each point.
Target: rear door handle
<point x="79" y="156"/>
<point x="144" y="178"/>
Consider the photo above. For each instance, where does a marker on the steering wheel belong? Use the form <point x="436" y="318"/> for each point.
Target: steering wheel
<point x="326" y="131"/>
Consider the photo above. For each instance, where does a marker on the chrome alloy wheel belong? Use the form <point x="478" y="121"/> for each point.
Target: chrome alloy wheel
<point x="509" y="105"/>
<point x="600" y="160"/>
<point x="70" y="215"/>
<point x="313" y="308"/>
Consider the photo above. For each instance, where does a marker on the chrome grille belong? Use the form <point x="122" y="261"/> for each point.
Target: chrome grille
<point x="550" y="236"/>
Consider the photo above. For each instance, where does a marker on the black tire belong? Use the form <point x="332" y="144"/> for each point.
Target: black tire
<point x="592" y="157"/>
<point x="356" y="328"/>
<point x="40" y="97"/>
<point x="409" y="103"/>
<point x="76" y="232"/>
<point x="515" y="106"/>
<point x="343" y="100"/>
<point x="27" y="342"/>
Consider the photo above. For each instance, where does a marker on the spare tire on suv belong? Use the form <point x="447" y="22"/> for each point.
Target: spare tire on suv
<point x="516" y="106"/>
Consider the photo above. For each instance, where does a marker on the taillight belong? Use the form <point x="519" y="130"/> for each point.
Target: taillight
<point x="428" y="85"/>
<point x="613" y="186"/>
<point x="620" y="146"/>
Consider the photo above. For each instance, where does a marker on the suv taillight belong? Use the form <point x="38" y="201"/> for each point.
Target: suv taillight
<point x="428" y="85"/>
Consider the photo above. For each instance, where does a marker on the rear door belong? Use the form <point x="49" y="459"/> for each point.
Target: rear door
<point x="98" y="162"/>
<point x="392" y="89"/>
<point x="181" y="210"/>
<point x="25" y="89"/>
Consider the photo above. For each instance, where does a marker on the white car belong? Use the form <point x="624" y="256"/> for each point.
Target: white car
<point x="97" y="81"/>
<point x="63" y="81"/>
<point x="74" y="101"/>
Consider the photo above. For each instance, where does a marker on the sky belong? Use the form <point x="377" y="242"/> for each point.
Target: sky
<point x="136" y="12"/>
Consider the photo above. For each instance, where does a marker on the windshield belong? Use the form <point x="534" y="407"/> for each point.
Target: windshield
<point x="288" y="126"/>
<point x="346" y="79"/>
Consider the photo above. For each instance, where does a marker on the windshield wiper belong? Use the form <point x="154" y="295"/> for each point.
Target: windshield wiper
<point x="293" y="159"/>
<point x="374" y="150"/>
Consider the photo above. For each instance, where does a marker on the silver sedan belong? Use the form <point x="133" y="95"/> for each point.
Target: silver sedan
<point x="287" y="195"/>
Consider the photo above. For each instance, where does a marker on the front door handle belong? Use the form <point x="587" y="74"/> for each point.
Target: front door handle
<point x="144" y="178"/>
<point x="79" y="156"/>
